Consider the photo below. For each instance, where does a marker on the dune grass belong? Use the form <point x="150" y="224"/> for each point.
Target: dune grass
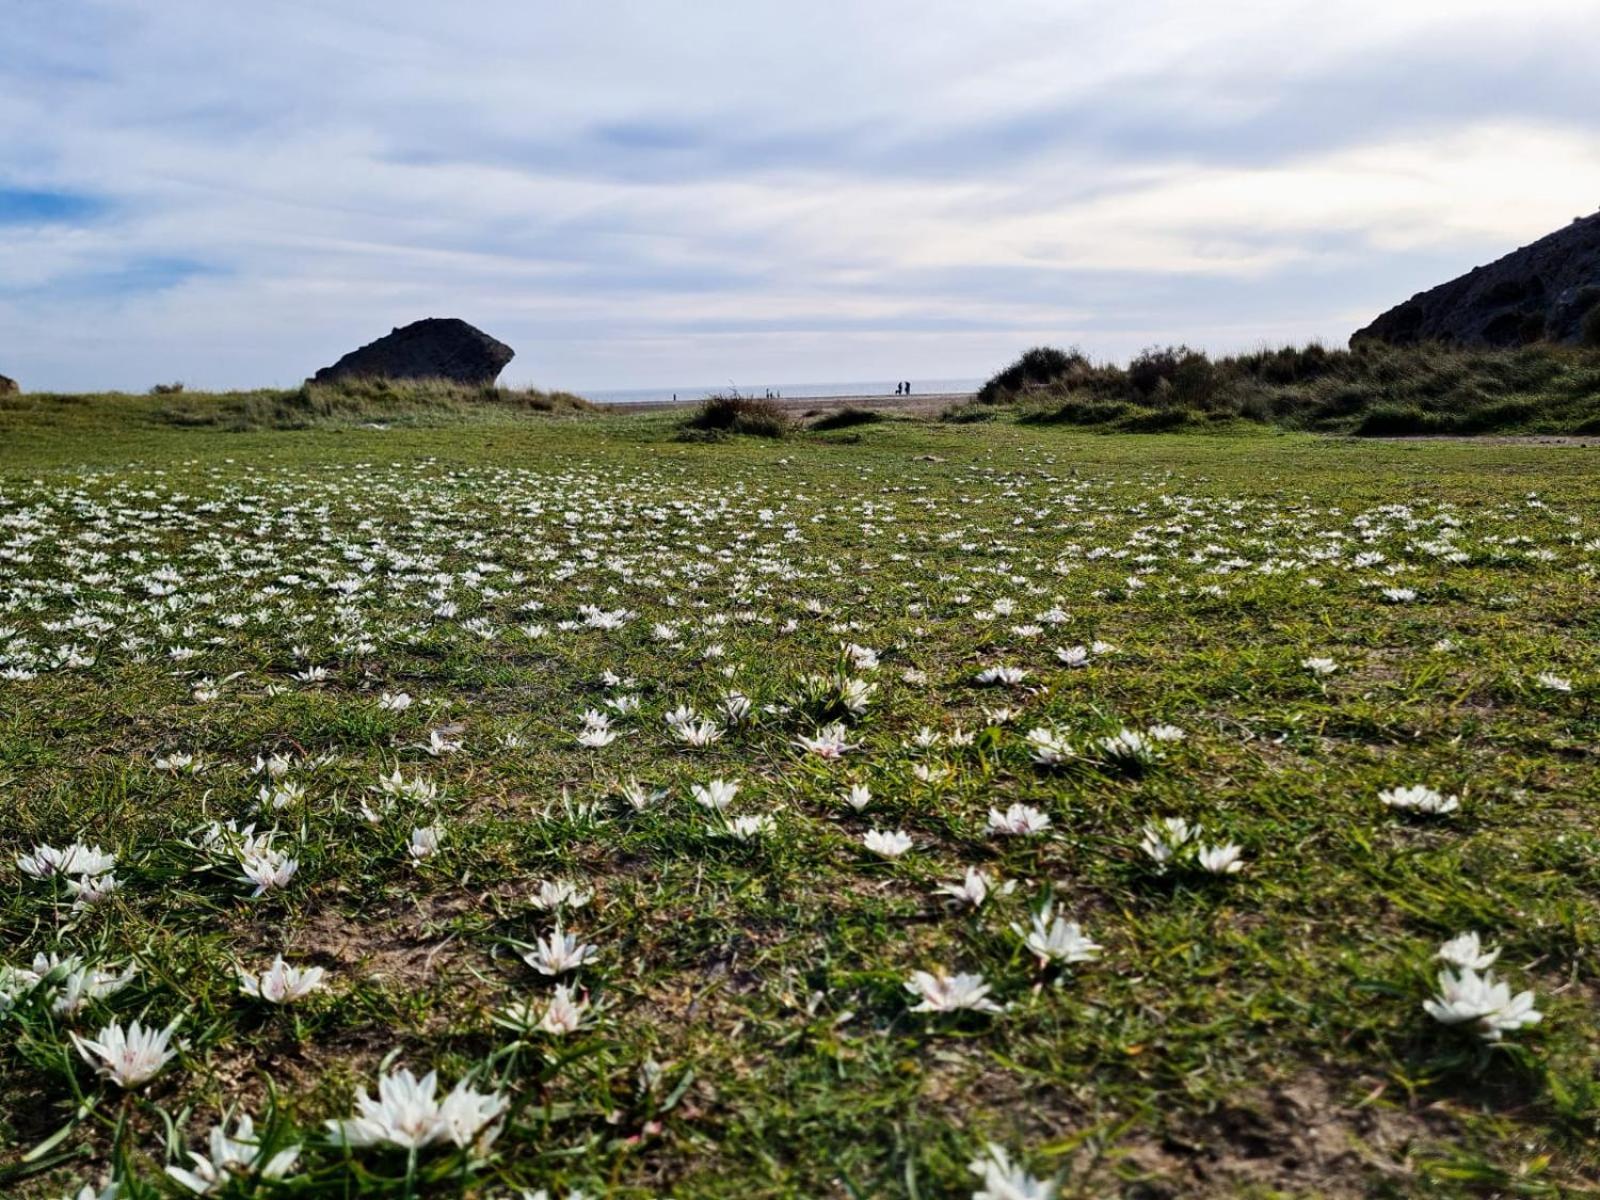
<point x="1373" y="390"/>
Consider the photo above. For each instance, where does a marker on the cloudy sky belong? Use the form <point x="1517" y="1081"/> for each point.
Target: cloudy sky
<point x="668" y="193"/>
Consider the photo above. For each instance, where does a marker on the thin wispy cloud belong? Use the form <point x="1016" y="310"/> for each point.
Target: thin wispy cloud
<point x="636" y="195"/>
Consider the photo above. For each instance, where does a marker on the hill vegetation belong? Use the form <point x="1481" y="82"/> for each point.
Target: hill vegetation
<point x="310" y="406"/>
<point x="1373" y="390"/>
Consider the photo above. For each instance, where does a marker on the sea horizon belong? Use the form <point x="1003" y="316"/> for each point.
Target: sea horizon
<point x="797" y="391"/>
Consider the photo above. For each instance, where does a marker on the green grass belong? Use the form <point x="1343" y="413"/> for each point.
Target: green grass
<point x="1257" y="1035"/>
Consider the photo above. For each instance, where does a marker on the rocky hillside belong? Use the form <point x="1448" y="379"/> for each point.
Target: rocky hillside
<point x="1548" y="291"/>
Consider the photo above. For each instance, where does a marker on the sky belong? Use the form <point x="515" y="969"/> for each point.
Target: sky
<point x="668" y="193"/>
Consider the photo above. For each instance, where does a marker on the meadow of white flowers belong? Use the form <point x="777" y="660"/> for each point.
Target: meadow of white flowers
<point x="418" y="828"/>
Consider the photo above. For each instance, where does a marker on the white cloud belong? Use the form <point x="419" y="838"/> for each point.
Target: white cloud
<point x="634" y="194"/>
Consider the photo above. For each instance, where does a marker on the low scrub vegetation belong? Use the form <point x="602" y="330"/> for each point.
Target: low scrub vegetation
<point x="846" y="418"/>
<point x="1373" y="390"/>
<point x="379" y="401"/>
<point x="733" y="413"/>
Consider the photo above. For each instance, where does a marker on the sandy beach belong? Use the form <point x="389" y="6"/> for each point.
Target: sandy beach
<point x="916" y="405"/>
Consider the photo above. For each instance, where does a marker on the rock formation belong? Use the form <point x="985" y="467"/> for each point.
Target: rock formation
<point x="435" y="348"/>
<point x="1541" y="292"/>
<point x="8" y="387"/>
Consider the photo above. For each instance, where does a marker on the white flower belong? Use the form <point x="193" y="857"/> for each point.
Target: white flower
<point x="408" y="1115"/>
<point x="1163" y="840"/>
<point x="830" y="742"/>
<point x="1001" y="675"/>
<point x="698" y="733"/>
<point x="563" y="1014"/>
<point x="1019" y="820"/>
<point x="1048" y="747"/>
<point x="237" y="1154"/>
<point x="1465" y="996"/>
<point x="1129" y="746"/>
<point x="1399" y="595"/>
<point x="424" y="842"/>
<point x="855" y="695"/>
<point x="1464" y="950"/>
<point x="941" y="992"/>
<point x="747" y="829"/>
<point x="1005" y="1180"/>
<point x="1420" y="798"/>
<point x="439" y="745"/>
<point x="1555" y="683"/>
<point x="974" y="889"/>
<point x="1319" y="666"/>
<point x="265" y="867"/>
<point x="716" y="795"/>
<point x="1219" y="860"/>
<point x="862" y="658"/>
<point x="128" y="1056"/>
<point x="1053" y="939"/>
<point x="559" y="893"/>
<point x="280" y="796"/>
<point x="560" y="953"/>
<point x="641" y="797"/>
<point x="78" y="985"/>
<point x="91" y="890"/>
<point x="46" y="862"/>
<point x="889" y="845"/>
<point x="281" y="983"/>
<point x="593" y="737"/>
<point x="1073" y="656"/>
<point x="858" y="797"/>
<point x="398" y="702"/>
<point x="274" y="766"/>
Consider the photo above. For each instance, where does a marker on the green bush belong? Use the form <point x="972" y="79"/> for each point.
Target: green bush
<point x="1373" y="388"/>
<point x="1589" y="328"/>
<point x="1396" y="420"/>
<point x="846" y="417"/>
<point x="733" y="413"/>
<point x="1082" y="412"/>
<point x="1043" y="366"/>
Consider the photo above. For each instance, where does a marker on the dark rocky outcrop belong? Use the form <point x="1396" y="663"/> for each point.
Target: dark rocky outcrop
<point x="1541" y="292"/>
<point x="8" y="387"/>
<point x="435" y="348"/>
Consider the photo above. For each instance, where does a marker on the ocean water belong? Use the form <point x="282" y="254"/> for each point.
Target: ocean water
<point x="798" y="391"/>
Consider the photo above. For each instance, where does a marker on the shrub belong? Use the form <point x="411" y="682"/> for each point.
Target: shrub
<point x="1373" y="388"/>
<point x="733" y="413"/>
<point x="167" y="389"/>
<point x="1082" y="412"/>
<point x="1156" y="420"/>
<point x="1173" y="376"/>
<point x="1043" y="366"/>
<point x="846" y="417"/>
<point x="1502" y="414"/>
<point x="1589" y="328"/>
<point x="1396" y="420"/>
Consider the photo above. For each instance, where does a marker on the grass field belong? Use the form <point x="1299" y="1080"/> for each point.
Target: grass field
<point x="369" y="698"/>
